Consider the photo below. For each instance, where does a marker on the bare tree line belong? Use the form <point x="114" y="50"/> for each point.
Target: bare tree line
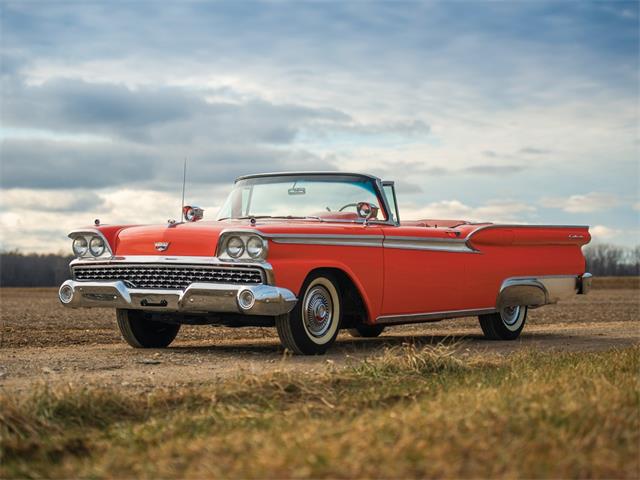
<point x="33" y="270"/>
<point x="606" y="260"/>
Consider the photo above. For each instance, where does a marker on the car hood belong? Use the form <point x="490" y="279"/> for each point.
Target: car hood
<point x="183" y="239"/>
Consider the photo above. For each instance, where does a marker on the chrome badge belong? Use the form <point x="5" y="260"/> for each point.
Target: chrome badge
<point x="161" y="246"/>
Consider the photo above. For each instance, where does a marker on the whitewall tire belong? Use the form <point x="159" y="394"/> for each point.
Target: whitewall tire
<point x="312" y="326"/>
<point x="504" y="325"/>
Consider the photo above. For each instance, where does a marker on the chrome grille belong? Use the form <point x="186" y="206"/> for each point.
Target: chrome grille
<point x="174" y="277"/>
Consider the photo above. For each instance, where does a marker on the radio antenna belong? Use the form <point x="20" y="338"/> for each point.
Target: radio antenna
<point x="184" y="183"/>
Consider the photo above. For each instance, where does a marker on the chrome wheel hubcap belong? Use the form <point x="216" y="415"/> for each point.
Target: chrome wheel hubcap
<point x="318" y="311"/>
<point x="510" y="315"/>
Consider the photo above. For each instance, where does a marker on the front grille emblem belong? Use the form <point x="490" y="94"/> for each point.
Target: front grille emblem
<point x="161" y="246"/>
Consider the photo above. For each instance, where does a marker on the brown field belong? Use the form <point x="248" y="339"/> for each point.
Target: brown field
<point x="615" y="283"/>
<point x="424" y="400"/>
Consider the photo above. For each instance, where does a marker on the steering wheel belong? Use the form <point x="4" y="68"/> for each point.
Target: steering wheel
<point x="347" y="206"/>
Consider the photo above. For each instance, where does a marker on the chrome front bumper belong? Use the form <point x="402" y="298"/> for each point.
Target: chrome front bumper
<point x="196" y="298"/>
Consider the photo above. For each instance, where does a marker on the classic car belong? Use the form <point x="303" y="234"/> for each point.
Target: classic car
<point x="315" y="252"/>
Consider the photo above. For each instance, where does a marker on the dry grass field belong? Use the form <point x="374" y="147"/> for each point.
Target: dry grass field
<point x="420" y="401"/>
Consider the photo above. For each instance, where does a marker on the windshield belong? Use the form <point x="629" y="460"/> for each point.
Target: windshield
<point x="326" y="197"/>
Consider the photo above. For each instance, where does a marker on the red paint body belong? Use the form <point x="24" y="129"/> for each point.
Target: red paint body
<point x="391" y="281"/>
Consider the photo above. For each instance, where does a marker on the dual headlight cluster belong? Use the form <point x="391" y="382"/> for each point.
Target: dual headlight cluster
<point x="89" y="245"/>
<point x="238" y="246"/>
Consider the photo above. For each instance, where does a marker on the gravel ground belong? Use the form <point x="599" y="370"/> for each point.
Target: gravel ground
<point x="40" y="341"/>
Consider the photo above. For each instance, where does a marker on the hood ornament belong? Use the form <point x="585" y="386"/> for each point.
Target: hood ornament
<point x="161" y="246"/>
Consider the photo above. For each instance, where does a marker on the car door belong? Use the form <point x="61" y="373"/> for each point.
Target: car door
<point x="424" y="270"/>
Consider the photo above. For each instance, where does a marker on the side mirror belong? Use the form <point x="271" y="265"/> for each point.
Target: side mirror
<point x="367" y="211"/>
<point x="192" y="214"/>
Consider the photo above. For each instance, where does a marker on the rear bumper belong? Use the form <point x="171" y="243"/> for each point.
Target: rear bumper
<point x="538" y="291"/>
<point x="197" y="297"/>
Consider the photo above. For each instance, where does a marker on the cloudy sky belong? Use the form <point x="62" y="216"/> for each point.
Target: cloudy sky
<point x="505" y="111"/>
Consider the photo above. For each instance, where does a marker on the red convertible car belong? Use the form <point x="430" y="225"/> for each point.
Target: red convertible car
<point x="312" y="253"/>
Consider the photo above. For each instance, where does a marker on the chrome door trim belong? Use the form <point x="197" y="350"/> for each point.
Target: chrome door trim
<point x="458" y="245"/>
<point x="328" y="239"/>
<point x="431" y="316"/>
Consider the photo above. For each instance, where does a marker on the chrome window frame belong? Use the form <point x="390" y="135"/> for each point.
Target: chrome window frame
<point x="392" y="184"/>
<point x="376" y="182"/>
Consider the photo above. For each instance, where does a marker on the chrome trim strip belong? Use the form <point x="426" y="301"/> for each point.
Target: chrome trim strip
<point x="312" y="173"/>
<point x="333" y="240"/>
<point x="431" y="317"/>
<point x="426" y="243"/>
<point x="400" y="242"/>
<point x="197" y="297"/>
<point x="187" y="260"/>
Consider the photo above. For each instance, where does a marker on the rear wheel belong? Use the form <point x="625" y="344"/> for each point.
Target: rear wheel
<point x="505" y="324"/>
<point x="367" y="331"/>
<point x="140" y="331"/>
<point x="312" y="326"/>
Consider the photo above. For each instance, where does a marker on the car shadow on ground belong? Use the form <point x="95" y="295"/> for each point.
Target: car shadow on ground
<point x="366" y="346"/>
<point x="345" y="347"/>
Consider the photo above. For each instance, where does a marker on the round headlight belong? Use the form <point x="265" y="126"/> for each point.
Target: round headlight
<point x="96" y="246"/>
<point x="255" y="247"/>
<point x="80" y="246"/>
<point x="235" y="247"/>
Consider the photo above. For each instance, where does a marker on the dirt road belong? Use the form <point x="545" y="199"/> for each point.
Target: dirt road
<point x="43" y="342"/>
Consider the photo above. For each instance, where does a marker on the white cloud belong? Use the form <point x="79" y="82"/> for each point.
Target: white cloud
<point x="38" y="221"/>
<point x="589" y="202"/>
<point x="24" y="200"/>
<point x="500" y="211"/>
<point x="602" y="233"/>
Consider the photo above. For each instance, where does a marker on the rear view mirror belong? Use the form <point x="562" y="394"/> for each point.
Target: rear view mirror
<point x="367" y="210"/>
<point x="192" y="214"/>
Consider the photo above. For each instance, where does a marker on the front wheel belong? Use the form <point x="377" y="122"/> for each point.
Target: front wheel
<point x="312" y="326"/>
<point x="140" y="331"/>
<point x="505" y="324"/>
